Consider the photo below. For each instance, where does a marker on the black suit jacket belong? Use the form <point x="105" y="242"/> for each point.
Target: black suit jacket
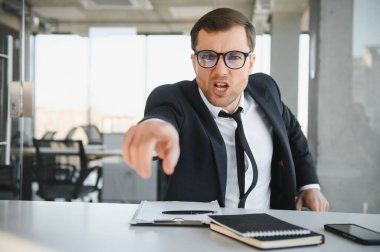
<point x="201" y="171"/>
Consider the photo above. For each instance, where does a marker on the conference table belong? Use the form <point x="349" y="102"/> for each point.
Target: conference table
<point x="78" y="226"/>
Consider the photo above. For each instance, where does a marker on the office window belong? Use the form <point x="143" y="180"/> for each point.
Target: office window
<point x="262" y="52"/>
<point x="103" y="80"/>
<point x="168" y="60"/>
<point x="61" y="83"/>
<point x="117" y="81"/>
<point x="303" y="81"/>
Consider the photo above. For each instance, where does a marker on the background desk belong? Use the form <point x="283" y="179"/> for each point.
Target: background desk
<point x="120" y="182"/>
<point x="91" y="152"/>
<point x="75" y="226"/>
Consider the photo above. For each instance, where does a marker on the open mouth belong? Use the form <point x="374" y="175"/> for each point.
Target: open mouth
<point x="221" y="86"/>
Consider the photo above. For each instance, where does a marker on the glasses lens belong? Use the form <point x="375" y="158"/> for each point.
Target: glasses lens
<point x="234" y="59"/>
<point x="207" y="58"/>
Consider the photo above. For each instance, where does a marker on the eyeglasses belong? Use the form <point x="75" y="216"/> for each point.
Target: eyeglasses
<point x="232" y="59"/>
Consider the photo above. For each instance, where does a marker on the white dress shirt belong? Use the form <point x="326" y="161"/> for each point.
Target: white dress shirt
<point x="258" y="132"/>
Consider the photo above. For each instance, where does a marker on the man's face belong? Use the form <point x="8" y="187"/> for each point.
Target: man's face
<point x="221" y="85"/>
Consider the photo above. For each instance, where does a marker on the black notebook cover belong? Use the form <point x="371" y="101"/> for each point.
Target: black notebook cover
<point x="264" y="231"/>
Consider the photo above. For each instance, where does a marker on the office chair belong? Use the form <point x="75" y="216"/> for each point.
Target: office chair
<point x="70" y="133"/>
<point x="93" y="134"/>
<point x="62" y="168"/>
<point x="48" y="135"/>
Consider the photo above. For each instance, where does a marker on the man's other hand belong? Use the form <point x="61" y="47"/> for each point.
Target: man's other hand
<point x="143" y="139"/>
<point x="312" y="199"/>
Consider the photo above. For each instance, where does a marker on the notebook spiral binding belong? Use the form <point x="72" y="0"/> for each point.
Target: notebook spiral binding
<point x="277" y="233"/>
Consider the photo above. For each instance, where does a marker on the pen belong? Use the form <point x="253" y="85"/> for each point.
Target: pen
<point x="179" y="212"/>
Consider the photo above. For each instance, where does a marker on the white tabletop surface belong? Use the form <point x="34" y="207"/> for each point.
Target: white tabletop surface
<point x="75" y="226"/>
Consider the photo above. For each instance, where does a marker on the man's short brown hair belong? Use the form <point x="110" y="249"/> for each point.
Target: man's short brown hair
<point x="220" y="20"/>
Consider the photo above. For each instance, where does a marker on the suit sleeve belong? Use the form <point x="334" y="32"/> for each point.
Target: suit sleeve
<point x="163" y="103"/>
<point x="302" y="158"/>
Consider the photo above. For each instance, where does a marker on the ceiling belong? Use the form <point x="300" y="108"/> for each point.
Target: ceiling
<point x="147" y="16"/>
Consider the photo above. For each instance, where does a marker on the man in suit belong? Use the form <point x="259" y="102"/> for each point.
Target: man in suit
<point x="184" y="126"/>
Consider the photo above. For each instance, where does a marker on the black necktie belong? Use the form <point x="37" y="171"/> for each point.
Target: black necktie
<point x="242" y="146"/>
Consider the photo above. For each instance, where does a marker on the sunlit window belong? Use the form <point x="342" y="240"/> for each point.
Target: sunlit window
<point x="61" y="80"/>
<point x="262" y="52"/>
<point x="117" y="81"/>
<point x="303" y="81"/>
<point x="168" y="60"/>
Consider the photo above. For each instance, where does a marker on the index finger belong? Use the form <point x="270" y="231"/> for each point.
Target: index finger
<point x="125" y="145"/>
<point x="135" y="149"/>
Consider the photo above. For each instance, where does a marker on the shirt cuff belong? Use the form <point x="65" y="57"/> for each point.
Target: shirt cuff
<point x="153" y="119"/>
<point x="310" y="186"/>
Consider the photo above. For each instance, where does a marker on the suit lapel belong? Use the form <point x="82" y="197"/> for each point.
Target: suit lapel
<point x="266" y="102"/>
<point x="216" y="139"/>
<point x="258" y="89"/>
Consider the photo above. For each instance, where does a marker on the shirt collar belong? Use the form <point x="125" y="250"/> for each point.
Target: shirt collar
<point x="215" y="110"/>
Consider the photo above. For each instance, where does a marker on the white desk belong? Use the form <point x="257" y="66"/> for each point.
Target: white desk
<point x="73" y="226"/>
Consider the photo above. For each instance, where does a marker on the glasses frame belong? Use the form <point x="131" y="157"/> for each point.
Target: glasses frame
<point x="246" y="54"/>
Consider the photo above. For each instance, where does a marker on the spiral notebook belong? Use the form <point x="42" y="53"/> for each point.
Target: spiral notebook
<point x="264" y="231"/>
